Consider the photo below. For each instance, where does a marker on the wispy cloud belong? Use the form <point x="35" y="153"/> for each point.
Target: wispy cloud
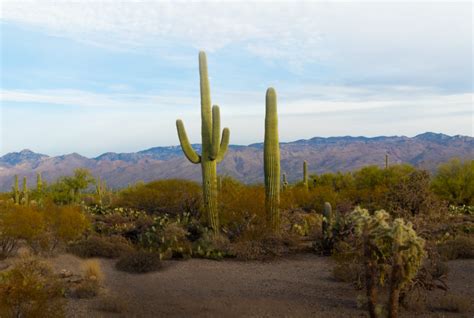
<point x="80" y="98"/>
<point x="405" y="35"/>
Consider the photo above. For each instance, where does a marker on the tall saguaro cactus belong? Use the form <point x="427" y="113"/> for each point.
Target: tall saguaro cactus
<point x="305" y="174"/>
<point x="16" y="190"/>
<point x="271" y="161"/>
<point x="213" y="146"/>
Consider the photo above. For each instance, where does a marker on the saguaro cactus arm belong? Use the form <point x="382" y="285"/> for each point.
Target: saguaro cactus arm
<point x="224" y="144"/>
<point x="185" y="144"/>
<point x="216" y="129"/>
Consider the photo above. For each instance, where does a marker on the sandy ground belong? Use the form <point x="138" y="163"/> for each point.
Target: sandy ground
<point x="298" y="286"/>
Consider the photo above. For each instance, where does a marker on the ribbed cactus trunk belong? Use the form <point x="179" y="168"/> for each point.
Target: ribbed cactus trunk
<point x="213" y="146"/>
<point x="386" y="161"/>
<point x="39" y="183"/>
<point x="16" y="191"/>
<point x="305" y="174"/>
<point x="39" y="188"/>
<point x="25" y="199"/>
<point x="271" y="161"/>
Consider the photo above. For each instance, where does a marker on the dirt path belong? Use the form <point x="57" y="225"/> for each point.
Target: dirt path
<point x="300" y="286"/>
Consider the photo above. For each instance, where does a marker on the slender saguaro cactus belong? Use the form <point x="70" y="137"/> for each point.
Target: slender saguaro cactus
<point x="271" y="161"/>
<point x="386" y="161"/>
<point x="285" y="182"/>
<point x="25" y="199"/>
<point x="213" y="146"/>
<point x="305" y="174"/>
<point x="100" y="188"/>
<point x="16" y="190"/>
<point x="39" y="188"/>
<point x="39" y="182"/>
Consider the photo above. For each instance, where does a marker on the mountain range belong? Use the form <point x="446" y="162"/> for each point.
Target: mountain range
<point x="330" y="154"/>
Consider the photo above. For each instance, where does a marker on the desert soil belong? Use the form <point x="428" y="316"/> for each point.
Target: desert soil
<point x="297" y="286"/>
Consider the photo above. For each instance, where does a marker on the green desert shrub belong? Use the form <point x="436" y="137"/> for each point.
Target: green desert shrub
<point x="139" y="262"/>
<point x="30" y="289"/>
<point x="242" y="209"/>
<point x="212" y="246"/>
<point x="42" y="228"/>
<point x="98" y="246"/>
<point x="168" y="236"/>
<point x="454" y="182"/>
<point x="411" y="195"/>
<point x="170" y="197"/>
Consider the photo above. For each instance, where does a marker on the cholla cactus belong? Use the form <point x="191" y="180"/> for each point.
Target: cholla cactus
<point x="16" y="191"/>
<point x="387" y="243"/>
<point x="326" y="225"/>
<point x="271" y="161"/>
<point x="408" y="252"/>
<point x="213" y="146"/>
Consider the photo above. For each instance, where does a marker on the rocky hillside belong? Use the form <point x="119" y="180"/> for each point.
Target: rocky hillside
<point x="244" y="162"/>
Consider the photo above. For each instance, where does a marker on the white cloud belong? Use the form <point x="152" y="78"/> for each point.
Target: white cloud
<point x="421" y="37"/>
<point x="80" y="98"/>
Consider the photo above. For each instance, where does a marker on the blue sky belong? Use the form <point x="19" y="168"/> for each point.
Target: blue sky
<point x="97" y="76"/>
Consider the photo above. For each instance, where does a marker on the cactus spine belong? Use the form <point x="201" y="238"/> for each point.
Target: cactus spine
<point x="271" y="161"/>
<point x="16" y="191"/>
<point x="213" y="146"/>
<point x="25" y="199"/>
<point x="305" y="174"/>
<point x="327" y="215"/>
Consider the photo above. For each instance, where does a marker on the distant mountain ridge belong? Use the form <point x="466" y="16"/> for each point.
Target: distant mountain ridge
<point x="330" y="154"/>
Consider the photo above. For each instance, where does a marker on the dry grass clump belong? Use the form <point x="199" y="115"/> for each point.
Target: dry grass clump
<point x="455" y="303"/>
<point x="462" y="247"/>
<point x="30" y="289"/>
<point x="139" y="262"/>
<point x="97" y="246"/>
<point x="92" y="270"/>
<point x="89" y="286"/>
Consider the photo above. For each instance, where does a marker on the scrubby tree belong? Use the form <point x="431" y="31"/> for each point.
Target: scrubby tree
<point x="454" y="182"/>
